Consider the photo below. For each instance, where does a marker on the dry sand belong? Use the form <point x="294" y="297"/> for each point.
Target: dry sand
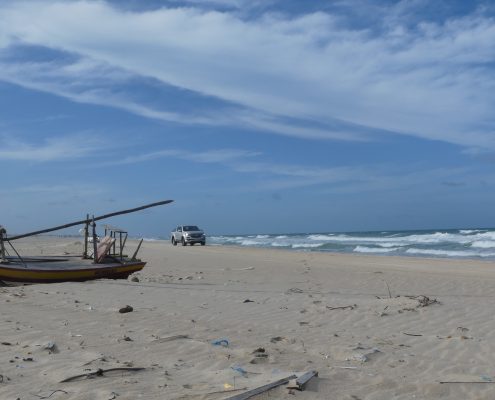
<point x="384" y="343"/>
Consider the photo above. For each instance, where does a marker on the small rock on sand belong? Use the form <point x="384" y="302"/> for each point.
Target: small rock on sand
<point x="126" y="309"/>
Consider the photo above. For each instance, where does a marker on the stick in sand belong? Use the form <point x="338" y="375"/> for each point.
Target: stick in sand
<point x="261" y="389"/>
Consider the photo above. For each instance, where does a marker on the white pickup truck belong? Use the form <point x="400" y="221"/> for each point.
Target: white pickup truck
<point x="185" y="234"/>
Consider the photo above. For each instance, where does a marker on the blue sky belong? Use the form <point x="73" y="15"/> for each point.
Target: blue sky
<point x="254" y="116"/>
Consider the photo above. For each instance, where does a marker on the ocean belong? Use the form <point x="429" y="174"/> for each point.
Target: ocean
<point x="458" y="243"/>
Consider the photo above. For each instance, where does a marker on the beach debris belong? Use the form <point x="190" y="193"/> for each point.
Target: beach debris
<point x="100" y="373"/>
<point x="466" y="382"/>
<point x="51" y="346"/>
<point x="113" y="395"/>
<point x="220" y="342"/>
<point x="388" y="289"/>
<point x="170" y="338"/>
<point x="102" y="358"/>
<point x="294" y="290"/>
<point x="6" y="343"/>
<point x="277" y="339"/>
<point x="363" y="357"/>
<point x="412" y="334"/>
<point x="248" y="301"/>
<point x="260" y="356"/>
<point x="300" y="383"/>
<point x="239" y="369"/>
<point x="227" y="386"/>
<point x="359" y="357"/>
<point x="225" y="390"/>
<point x="51" y="394"/>
<point x="126" y="309"/>
<point x="261" y="389"/>
<point x="134" y="279"/>
<point x="259" y="359"/>
<point x="423" y="301"/>
<point x="350" y="307"/>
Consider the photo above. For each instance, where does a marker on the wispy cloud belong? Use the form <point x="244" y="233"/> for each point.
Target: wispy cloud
<point x="432" y="80"/>
<point x="85" y="81"/>
<point x="50" y="149"/>
<point x="209" y="156"/>
<point x="268" y="175"/>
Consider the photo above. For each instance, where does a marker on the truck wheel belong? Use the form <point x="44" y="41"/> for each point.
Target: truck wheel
<point x="192" y="243"/>
<point x="183" y="241"/>
<point x="202" y="243"/>
<point x="174" y="242"/>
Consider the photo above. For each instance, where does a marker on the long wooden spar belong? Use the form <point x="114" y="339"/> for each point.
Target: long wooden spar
<point x="85" y="221"/>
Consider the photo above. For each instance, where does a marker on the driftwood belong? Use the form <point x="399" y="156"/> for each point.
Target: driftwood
<point x="412" y="334"/>
<point x="351" y="307"/>
<point x="261" y="389"/>
<point x="467" y="382"/>
<point x="423" y="301"/>
<point x="225" y="391"/>
<point x="99" y="372"/>
<point x="300" y="383"/>
<point x="170" y="338"/>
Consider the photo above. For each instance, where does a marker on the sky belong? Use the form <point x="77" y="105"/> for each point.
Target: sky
<point x="254" y="116"/>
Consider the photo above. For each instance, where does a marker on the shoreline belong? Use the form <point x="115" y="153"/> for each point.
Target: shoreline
<point x="429" y="245"/>
<point x="26" y="244"/>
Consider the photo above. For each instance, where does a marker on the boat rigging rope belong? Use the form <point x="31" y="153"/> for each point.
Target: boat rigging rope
<point x="18" y="255"/>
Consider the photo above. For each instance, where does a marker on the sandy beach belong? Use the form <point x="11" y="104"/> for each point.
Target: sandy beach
<point x="373" y="327"/>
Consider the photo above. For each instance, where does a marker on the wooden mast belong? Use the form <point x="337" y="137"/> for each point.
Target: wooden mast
<point x="84" y="221"/>
<point x="2" y="246"/>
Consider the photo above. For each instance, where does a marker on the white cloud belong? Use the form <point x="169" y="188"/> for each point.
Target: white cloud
<point x="208" y="156"/>
<point x="51" y="149"/>
<point x="432" y="81"/>
<point x="86" y="81"/>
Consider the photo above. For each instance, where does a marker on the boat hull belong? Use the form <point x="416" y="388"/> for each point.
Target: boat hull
<point x="74" y="271"/>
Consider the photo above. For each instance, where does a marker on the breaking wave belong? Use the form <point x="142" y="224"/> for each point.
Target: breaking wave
<point x="463" y="243"/>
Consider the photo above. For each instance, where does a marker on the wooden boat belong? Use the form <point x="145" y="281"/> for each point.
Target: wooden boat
<point x="106" y="261"/>
<point x="65" y="269"/>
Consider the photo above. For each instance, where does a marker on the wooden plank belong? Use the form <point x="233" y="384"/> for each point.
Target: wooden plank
<point x="261" y="389"/>
<point x="103" y="248"/>
<point x="300" y="383"/>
